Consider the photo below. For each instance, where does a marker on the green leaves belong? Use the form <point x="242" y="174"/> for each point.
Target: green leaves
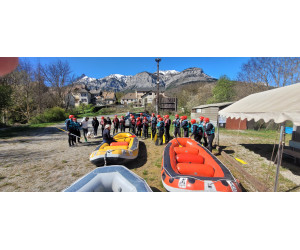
<point x="223" y="91"/>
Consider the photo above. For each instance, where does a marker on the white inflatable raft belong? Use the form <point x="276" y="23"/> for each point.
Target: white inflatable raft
<point x="110" y="179"/>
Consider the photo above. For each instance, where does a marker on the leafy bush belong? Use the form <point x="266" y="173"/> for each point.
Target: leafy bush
<point x="50" y="115"/>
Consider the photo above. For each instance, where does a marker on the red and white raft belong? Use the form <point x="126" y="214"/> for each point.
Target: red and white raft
<point x="188" y="166"/>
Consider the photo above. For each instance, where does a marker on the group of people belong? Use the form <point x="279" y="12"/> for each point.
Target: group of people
<point x="140" y="126"/>
<point x="73" y="129"/>
<point x="161" y="125"/>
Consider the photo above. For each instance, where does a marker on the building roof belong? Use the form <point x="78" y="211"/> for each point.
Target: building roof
<point x="108" y="95"/>
<point x="94" y="91"/>
<point x="129" y="96"/>
<point x="221" y="104"/>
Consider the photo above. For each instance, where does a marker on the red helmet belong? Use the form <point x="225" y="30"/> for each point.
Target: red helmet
<point x="201" y="118"/>
<point x="122" y="116"/>
<point x="153" y="114"/>
<point x="161" y="119"/>
<point x="145" y="118"/>
<point x="116" y="116"/>
<point x="74" y="119"/>
<point x="177" y="116"/>
<point x="71" y="116"/>
<point x="138" y="118"/>
<point x="193" y="121"/>
<point x="158" y="116"/>
<point x="206" y="119"/>
<point x="182" y="117"/>
<point x="185" y="117"/>
<point x="141" y="113"/>
<point x="102" y="117"/>
<point x="167" y="116"/>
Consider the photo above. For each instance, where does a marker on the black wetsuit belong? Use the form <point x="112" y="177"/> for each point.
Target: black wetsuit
<point x="95" y="124"/>
<point x="116" y="125"/>
<point x="176" y="123"/>
<point x="185" y="126"/>
<point x="210" y="131"/>
<point x="106" y="136"/>
<point x="160" y="128"/>
<point x="153" y="126"/>
<point x="145" y="128"/>
<point x="167" y="129"/>
<point x="122" y="125"/>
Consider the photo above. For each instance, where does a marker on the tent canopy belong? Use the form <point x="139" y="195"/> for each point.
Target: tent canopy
<point x="280" y="104"/>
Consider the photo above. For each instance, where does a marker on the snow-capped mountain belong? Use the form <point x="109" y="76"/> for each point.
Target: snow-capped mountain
<point x="145" y="80"/>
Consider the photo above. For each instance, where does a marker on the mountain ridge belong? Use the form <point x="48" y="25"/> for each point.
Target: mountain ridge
<point x="145" y="80"/>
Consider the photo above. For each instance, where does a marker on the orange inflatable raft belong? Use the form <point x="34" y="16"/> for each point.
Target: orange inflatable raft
<point x="187" y="166"/>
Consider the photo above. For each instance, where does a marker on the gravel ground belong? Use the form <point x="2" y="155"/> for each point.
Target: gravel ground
<point x="41" y="160"/>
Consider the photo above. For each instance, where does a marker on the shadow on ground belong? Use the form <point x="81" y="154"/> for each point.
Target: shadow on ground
<point x="293" y="189"/>
<point x="141" y="159"/>
<point x="265" y="150"/>
<point x="154" y="189"/>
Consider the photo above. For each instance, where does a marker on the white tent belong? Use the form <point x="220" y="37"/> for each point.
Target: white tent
<point x="280" y="105"/>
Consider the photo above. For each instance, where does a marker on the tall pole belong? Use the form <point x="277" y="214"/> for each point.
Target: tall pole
<point x="218" y="126"/>
<point x="279" y="157"/>
<point x="157" y="83"/>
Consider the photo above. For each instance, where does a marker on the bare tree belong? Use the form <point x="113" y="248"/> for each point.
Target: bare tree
<point x="40" y="88"/>
<point x="57" y="75"/>
<point x="23" y="93"/>
<point x="271" y="71"/>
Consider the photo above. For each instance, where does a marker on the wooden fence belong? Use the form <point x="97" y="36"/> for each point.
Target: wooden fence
<point x="168" y="104"/>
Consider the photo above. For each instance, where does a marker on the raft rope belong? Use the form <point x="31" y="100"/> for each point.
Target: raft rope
<point x="190" y="176"/>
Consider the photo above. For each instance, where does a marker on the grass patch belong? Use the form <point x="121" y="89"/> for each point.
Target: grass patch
<point x="64" y="161"/>
<point x="145" y="172"/>
<point x="263" y="133"/>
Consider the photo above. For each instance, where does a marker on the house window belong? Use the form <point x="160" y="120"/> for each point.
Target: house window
<point x="83" y="94"/>
<point x="199" y="110"/>
<point x="84" y="100"/>
<point x="150" y="93"/>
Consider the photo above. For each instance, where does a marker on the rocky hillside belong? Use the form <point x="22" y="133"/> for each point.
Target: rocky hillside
<point x="145" y="80"/>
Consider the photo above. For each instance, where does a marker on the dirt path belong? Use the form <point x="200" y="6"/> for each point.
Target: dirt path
<point x="41" y="160"/>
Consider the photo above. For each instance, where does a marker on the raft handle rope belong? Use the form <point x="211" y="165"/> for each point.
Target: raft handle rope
<point x="110" y="151"/>
<point x="189" y="176"/>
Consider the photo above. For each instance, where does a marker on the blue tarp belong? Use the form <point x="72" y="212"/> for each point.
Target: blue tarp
<point x="288" y="130"/>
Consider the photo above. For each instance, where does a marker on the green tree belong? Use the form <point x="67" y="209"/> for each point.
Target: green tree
<point x="223" y="91"/>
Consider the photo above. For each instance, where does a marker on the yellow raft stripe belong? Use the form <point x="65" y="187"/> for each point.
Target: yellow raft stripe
<point x="241" y="161"/>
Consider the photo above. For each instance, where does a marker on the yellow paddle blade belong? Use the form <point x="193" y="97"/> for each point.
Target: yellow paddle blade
<point x="164" y="139"/>
<point x="180" y="146"/>
<point x="155" y="137"/>
<point x="241" y="161"/>
<point x="151" y="136"/>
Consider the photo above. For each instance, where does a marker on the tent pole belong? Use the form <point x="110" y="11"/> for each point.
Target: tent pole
<point x="279" y="157"/>
<point x="218" y="125"/>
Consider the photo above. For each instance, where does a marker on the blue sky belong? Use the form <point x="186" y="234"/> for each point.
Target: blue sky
<point x="99" y="67"/>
